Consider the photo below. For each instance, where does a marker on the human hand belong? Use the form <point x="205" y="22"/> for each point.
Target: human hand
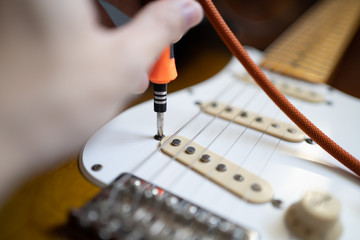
<point x="62" y="75"/>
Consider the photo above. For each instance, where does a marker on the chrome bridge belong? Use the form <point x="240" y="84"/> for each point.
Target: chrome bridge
<point x="131" y="208"/>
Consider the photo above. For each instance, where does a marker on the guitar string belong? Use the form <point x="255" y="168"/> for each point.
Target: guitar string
<point x="275" y="149"/>
<point x="115" y="190"/>
<point x="293" y="44"/>
<point x="156" y="205"/>
<point x="209" y="174"/>
<point x="254" y="146"/>
<point x="158" y="149"/>
<point x="138" y="198"/>
<point x="190" y="166"/>
<point x="197" y="134"/>
<point x="273" y="152"/>
<point x="193" y="139"/>
<point x="151" y="179"/>
<point x="271" y="66"/>
<point x="266" y="161"/>
<point x="280" y="71"/>
<point x="171" y="184"/>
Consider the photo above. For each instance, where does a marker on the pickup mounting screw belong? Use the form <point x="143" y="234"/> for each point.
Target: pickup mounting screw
<point x="221" y="168"/>
<point x="238" y="177"/>
<point x="228" y="109"/>
<point x="290" y="130"/>
<point x="243" y="114"/>
<point x="205" y="158"/>
<point x="256" y="187"/>
<point x="190" y="150"/>
<point x="176" y="142"/>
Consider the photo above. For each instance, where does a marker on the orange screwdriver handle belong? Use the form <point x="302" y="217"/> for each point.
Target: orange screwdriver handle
<point x="164" y="70"/>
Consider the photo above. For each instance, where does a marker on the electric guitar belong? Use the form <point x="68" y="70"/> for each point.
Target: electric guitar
<point x="232" y="165"/>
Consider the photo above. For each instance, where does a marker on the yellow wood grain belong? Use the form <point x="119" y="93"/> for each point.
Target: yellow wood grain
<point x="42" y="204"/>
<point x="311" y="49"/>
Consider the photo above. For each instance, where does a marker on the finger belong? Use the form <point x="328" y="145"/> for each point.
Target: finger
<point x="157" y="25"/>
<point x="142" y="85"/>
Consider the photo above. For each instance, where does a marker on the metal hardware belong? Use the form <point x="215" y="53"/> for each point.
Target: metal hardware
<point x="160" y="215"/>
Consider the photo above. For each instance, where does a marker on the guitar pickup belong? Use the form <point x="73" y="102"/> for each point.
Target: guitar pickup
<point x="221" y="171"/>
<point x="282" y="130"/>
<point x="290" y="89"/>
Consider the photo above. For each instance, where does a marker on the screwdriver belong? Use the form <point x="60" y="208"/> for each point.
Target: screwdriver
<point x="163" y="72"/>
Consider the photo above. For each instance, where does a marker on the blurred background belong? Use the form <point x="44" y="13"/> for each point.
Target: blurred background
<point x="257" y="23"/>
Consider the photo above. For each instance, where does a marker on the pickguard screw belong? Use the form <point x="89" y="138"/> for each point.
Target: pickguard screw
<point x="310" y="141"/>
<point x="190" y="150"/>
<point x="176" y="142"/>
<point x="243" y="114"/>
<point x="290" y="130"/>
<point x="238" y="177"/>
<point x="259" y="119"/>
<point x="221" y="168"/>
<point x="276" y="203"/>
<point x="275" y="125"/>
<point x="205" y="158"/>
<point x="214" y="104"/>
<point x="96" y="167"/>
<point x="256" y="187"/>
<point x="159" y="138"/>
<point x="228" y="109"/>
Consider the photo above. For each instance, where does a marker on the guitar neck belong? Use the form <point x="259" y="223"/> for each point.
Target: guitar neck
<point x="311" y="49"/>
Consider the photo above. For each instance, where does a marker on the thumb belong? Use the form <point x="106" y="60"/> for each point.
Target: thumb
<point x="157" y="25"/>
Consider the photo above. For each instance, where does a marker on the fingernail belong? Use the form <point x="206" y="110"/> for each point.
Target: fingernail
<point x="193" y="13"/>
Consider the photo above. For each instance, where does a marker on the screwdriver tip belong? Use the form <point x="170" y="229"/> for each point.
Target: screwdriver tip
<point x="160" y="125"/>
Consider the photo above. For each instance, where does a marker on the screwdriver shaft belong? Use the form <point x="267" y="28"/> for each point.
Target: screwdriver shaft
<point x="160" y="124"/>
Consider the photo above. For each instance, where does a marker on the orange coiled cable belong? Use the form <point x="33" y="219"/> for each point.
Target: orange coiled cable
<point x="279" y="99"/>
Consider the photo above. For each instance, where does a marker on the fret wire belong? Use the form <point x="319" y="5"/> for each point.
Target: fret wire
<point x="299" y="64"/>
<point x="309" y="58"/>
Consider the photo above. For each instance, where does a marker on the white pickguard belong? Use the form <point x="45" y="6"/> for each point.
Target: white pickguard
<point x="127" y="141"/>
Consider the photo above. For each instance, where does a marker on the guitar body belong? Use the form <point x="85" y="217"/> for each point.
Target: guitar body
<point x="42" y="205"/>
<point x="126" y="145"/>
